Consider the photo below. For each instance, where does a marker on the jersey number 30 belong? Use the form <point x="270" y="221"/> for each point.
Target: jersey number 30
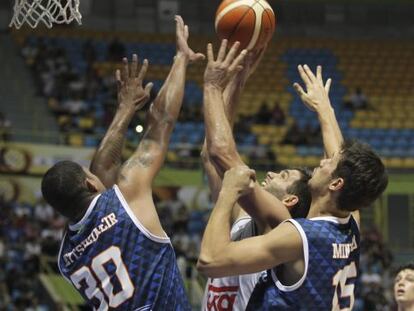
<point x="107" y="298"/>
<point x="345" y="290"/>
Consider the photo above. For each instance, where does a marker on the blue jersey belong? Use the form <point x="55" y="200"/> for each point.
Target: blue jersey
<point x="331" y="254"/>
<point x="116" y="263"/>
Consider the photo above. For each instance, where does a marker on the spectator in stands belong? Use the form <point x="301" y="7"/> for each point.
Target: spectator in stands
<point x="74" y="106"/>
<point x="375" y="278"/>
<point x="264" y="114"/>
<point x="242" y="128"/>
<point x="43" y="212"/>
<point x="357" y="100"/>
<point x="93" y="84"/>
<point x="278" y="115"/>
<point x="180" y="218"/>
<point x="404" y="287"/>
<point x="312" y="135"/>
<point x="30" y="50"/>
<point x="294" y="135"/>
<point x="116" y="50"/>
<point x="89" y="52"/>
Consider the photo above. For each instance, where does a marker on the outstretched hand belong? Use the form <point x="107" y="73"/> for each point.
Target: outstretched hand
<point x="316" y="96"/>
<point x="218" y="72"/>
<point x="131" y="93"/>
<point x="239" y="180"/>
<point x="182" y="34"/>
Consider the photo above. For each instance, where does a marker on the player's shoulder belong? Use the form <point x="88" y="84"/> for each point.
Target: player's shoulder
<point x="326" y="220"/>
<point x="324" y="226"/>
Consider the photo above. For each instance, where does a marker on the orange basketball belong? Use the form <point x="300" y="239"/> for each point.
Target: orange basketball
<point x="252" y="22"/>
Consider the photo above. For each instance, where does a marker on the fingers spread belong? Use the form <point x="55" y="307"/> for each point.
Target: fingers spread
<point x="309" y="73"/>
<point x="328" y="85"/>
<point x="125" y="69"/>
<point x="210" y="53"/>
<point x="319" y="74"/>
<point x="143" y="70"/>
<point x="232" y="53"/>
<point x="134" y="66"/>
<point x="186" y="32"/>
<point x="118" y="78"/>
<point x="304" y="76"/>
<point x="148" y="88"/>
<point x="222" y="51"/>
<point x="238" y="61"/>
<point x="179" y="28"/>
<point x="299" y="89"/>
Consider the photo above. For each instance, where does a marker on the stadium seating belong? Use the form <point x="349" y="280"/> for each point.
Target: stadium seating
<point x="384" y="71"/>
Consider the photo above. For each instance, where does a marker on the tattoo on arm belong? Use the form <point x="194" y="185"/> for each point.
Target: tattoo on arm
<point x="143" y="158"/>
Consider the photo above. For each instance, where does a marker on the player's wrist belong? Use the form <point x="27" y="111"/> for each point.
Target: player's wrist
<point x="325" y="109"/>
<point x="213" y="86"/>
<point x="126" y="107"/>
<point x="230" y="192"/>
<point x="326" y="112"/>
<point x="180" y="55"/>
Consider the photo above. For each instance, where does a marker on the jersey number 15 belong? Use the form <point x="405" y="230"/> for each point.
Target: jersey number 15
<point x="345" y="290"/>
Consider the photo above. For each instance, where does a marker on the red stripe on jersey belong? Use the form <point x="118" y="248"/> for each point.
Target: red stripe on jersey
<point x="223" y="289"/>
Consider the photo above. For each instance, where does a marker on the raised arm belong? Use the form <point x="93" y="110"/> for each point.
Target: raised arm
<point x="137" y="174"/>
<point x="139" y="171"/>
<point x="231" y="97"/>
<point x="316" y="98"/>
<point x="107" y="160"/>
<point x="267" y="210"/>
<point x="221" y="257"/>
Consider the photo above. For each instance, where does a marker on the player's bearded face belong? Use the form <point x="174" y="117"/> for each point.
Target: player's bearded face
<point x="404" y="286"/>
<point x="278" y="183"/>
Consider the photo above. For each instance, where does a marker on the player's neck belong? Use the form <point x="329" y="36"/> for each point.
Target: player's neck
<point x="325" y="206"/>
<point x="84" y="207"/>
<point x="409" y="306"/>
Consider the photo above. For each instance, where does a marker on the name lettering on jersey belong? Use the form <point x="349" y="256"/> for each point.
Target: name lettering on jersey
<point x="107" y="222"/>
<point x="342" y="251"/>
<point x="221" y="298"/>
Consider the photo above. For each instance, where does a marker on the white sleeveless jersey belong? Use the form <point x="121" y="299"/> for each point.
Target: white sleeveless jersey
<point x="233" y="292"/>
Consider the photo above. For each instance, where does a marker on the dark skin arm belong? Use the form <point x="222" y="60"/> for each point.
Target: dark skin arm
<point x="138" y="173"/>
<point x="107" y="160"/>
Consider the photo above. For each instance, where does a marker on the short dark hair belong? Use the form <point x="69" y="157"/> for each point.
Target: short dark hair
<point x="64" y="188"/>
<point x="407" y="266"/>
<point x="364" y="174"/>
<point x="300" y="188"/>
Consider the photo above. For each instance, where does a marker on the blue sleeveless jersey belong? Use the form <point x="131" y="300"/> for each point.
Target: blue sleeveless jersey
<point x="331" y="251"/>
<point x="117" y="264"/>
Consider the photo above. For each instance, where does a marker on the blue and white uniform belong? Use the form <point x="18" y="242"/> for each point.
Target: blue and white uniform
<point x="116" y="263"/>
<point x="331" y="248"/>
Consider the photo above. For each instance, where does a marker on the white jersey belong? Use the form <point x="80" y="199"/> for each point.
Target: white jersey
<point x="233" y="292"/>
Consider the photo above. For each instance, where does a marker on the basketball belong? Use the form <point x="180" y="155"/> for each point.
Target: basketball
<point x="251" y="22"/>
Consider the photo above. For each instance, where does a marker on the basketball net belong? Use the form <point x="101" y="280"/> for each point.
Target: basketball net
<point x="48" y="12"/>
